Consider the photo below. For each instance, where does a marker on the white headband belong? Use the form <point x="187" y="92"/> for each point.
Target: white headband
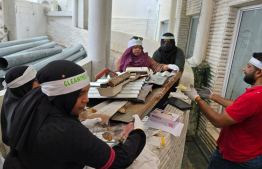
<point x="256" y="62"/>
<point x="167" y="37"/>
<point x="133" y="42"/>
<point x="64" y="86"/>
<point x="29" y="74"/>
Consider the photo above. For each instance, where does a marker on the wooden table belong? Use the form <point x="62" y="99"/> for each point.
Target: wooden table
<point x="142" y="109"/>
<point x="171" y="156"/>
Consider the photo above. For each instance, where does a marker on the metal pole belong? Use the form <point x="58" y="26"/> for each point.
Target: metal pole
<point x="108" y="30"/>
<point x="75" y="13"/>
<point x="97" y="30"/>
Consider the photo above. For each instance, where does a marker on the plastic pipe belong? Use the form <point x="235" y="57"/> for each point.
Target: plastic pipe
<point x="44" y="46"/>
<point x="20" y="58"/>
<point x="17" y="48"/>
<point x="77" y="60"/>
<point x="17" y="42"/>
<point x="61" y="56"/>
<point x="76" y="55"/>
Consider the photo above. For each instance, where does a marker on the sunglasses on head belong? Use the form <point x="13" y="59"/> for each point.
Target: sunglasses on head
<point x="136" y="37"/>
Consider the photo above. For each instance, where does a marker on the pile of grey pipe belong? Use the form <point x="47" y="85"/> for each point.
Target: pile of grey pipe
<point x="37" y="51"/>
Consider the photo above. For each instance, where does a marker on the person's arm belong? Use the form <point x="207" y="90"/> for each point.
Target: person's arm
<point x="156" y="67"/>
<point x="82" y="147"/>
<point x="222" y="101"/>
<point x="180" y="59"/>
<point x="218" y="120"/>
<point x="206" y="93"/>
<point x="126" y="153"/>
<point x="156" y="56"/>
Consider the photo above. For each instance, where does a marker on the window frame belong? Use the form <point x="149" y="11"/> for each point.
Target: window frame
<point x="188" y="38"/>
<point x="233" y="47"/>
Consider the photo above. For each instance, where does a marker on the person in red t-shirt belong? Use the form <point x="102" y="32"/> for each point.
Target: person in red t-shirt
<point x="240" y="139"/>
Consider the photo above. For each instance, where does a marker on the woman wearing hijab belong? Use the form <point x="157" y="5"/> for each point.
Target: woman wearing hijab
<point x="134" y="56"/>
<point x="169" y="53"/>
<point x="18" y="82"/>
<point x="48" y="133"/>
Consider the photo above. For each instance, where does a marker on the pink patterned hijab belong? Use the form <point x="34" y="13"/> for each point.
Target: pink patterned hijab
<point x="128" y="59"/>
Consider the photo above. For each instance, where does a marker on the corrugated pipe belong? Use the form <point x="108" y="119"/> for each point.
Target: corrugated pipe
<point x="20" y="58"/>
<point x="17" y="48"/>
<point x="17" y="42"/>
<point x="61" y="56"/>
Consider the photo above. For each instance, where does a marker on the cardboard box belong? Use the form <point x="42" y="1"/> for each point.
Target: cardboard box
<point x="165" y="118"/>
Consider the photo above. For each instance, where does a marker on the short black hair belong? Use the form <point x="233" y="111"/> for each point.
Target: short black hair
<point x="258" y="56"/>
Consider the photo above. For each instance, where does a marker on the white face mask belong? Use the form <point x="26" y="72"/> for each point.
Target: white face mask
<point x="65" y="86"/>
<point x="29" y="74"/>
<point x="256" y="62"/>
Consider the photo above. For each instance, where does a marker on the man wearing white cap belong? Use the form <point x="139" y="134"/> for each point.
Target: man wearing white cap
<point x="240" y="139"/>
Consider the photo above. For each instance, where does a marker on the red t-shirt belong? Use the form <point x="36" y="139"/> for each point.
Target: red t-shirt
<point x="243" y="141"/>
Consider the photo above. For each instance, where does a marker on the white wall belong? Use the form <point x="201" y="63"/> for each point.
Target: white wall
<point x="2" y="33"/>
<point x="30" y="20"/>
<point x="136" y="17"/>
<point x="134" y="9"/>
<point x="66" y="5"/>
<point x="163" y="13"/>
<point x="66" y="20"/>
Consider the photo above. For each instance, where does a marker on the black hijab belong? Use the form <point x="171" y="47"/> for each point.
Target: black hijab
<point x="11" y="98"/>
<point x="168" y="50"/>
<point x="36" y="106"/>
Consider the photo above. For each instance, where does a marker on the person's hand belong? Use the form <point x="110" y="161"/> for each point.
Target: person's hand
<point x="173" y="67"/>
<point x="111" y="74"/>
<point x="204" y="92"/>
<point x="191" y="94"/>
<point x="138" y="124"/>
<point x="94" y="125"/>
<point x="89" y="123"/>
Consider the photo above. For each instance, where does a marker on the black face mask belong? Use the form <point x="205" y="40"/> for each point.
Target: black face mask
<point x="166" y="46"/>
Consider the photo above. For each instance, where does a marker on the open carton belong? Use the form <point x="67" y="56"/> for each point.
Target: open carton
<point x="112" y="91"/>
<point x="165" y="118"/>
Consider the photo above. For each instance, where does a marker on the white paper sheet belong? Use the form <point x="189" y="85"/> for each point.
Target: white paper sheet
<point x="175" y="131"/>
